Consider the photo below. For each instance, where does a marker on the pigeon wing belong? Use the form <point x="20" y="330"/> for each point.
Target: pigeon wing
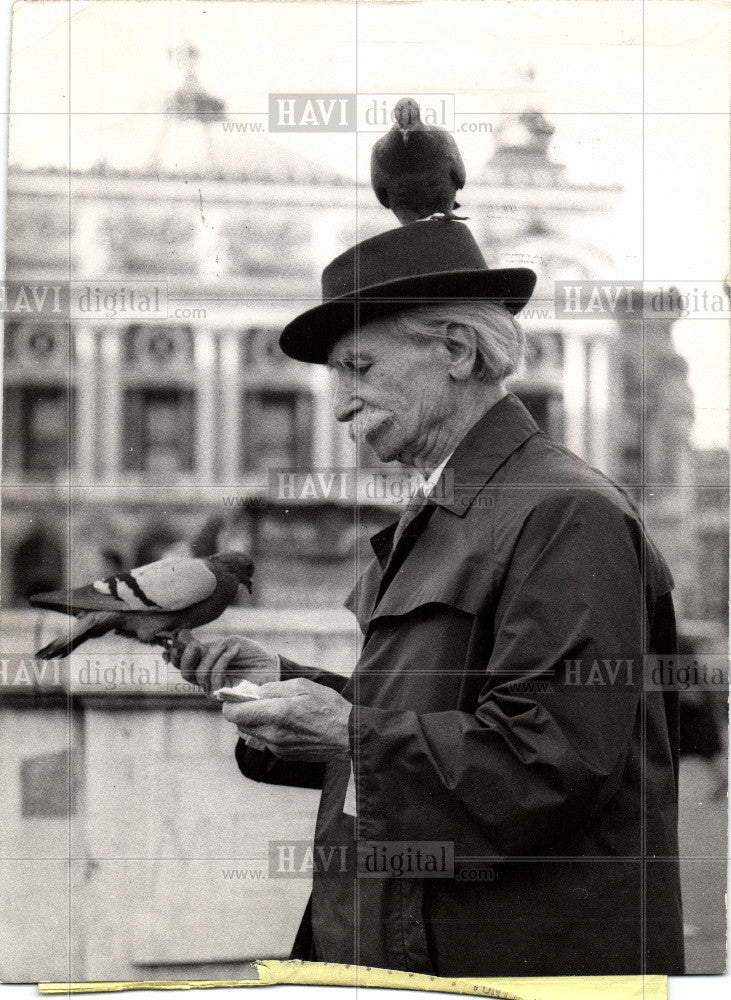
<point x="80" y="600"/>
<point x="379" y="177"/>
<point x="166" y="585"/>
<point x="450" y="150"/>
<point x="457" y="169"/>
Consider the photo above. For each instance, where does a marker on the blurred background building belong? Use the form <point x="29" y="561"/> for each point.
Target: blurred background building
<point x="124" y="441"/>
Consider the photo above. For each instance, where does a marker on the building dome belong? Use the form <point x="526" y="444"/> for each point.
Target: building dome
<point x="193" y="137"/>
<point x="522" y="140"/>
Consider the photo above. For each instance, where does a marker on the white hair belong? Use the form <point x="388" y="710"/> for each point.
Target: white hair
<point x="499" y="337"/>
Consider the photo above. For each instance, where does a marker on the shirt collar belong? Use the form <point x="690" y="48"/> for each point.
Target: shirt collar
<point x="428" y="484"/>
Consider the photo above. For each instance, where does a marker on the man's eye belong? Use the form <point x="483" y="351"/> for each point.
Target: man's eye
<point x="358" y="367"/>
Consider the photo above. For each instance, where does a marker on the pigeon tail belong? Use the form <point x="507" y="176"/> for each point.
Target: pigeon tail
<point x="90" y="627"/>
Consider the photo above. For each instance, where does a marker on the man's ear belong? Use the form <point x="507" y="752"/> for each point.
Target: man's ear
<point x="461" y="342"/>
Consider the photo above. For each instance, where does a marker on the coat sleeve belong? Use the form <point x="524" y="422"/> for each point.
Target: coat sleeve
<point x="263" y="765"/>
<point x="540" y="752"/>
<point x="290" y="669"/>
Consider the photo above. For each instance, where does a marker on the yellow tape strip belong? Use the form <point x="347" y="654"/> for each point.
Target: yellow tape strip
<point x="326" y="974"/>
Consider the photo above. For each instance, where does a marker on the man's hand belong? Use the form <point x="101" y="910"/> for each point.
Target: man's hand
<point x="223" y="663"/>
<point x="296" y="719"/>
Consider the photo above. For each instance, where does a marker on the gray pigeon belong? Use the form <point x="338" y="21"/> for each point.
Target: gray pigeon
<point x="151" y="603"/>
<point x="416" y="169"/>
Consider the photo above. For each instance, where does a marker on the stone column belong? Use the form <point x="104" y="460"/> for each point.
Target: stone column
<point x="598" y="398"/>
<point x="205" y="405"/>
<point x="230" y="406"/>
<point x="323" y="419"/>
<point x="84" y="433"/>
<point x="110" y="412"/>
<point x="575" y="393"/>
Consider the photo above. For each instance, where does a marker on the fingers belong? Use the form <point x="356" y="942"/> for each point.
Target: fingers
<point x="287" y="689"/>
<point x="189" y="660"/>
<point x="219" y="673"/>
<point x="270" y="724"/>
<point x="253" y="714"/>
<point x="211" y="666"/>
<point x="171" y="653"/>
<point x="216" y="658"/>
<point x="296" y="719"/>
<point x="175" y="648"/>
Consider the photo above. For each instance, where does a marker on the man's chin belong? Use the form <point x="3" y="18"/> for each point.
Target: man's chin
<point x="374" y="436"/>
<point x="385" y="450"/>
<point x="383" y="454"/>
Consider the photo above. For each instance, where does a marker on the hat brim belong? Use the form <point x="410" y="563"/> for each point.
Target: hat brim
<point x="310" y="336"/>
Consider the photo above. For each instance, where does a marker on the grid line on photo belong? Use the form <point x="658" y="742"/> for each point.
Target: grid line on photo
<point x="660" y="859"/>
<point x="71" y="776"/>
<point x="643" y="556"/>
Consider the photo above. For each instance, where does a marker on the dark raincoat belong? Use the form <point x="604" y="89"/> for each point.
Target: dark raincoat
<point x="499" y="708"/>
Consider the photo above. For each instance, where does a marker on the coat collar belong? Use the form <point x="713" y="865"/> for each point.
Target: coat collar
<point x="481" y="452"/>
<point x="476" y="459"/>
<point x="485" y="447"/>
<point x="382" y="542"/>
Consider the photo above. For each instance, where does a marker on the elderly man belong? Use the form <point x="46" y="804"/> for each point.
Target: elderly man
<point x="497" y="709"/>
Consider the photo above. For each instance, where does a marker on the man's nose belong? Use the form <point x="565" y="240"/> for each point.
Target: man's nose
<point x="343" y="398"/>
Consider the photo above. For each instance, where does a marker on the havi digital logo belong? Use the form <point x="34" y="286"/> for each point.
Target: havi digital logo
<point x="312" y="112"/>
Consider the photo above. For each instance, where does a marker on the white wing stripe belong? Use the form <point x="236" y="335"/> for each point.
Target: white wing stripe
<point x="129" y="597"/>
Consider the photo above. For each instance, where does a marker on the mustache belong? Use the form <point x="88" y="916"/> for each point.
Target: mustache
<point x="366" y="421"/>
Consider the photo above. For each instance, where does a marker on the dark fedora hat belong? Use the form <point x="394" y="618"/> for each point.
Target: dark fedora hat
<point x="431" y="261"/>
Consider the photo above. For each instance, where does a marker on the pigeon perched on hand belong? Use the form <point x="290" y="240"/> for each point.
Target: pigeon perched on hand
<point x="151" y="603"/>
<point x="416" y="169"/>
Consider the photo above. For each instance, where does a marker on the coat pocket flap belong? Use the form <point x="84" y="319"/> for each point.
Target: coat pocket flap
<point x="443" y="567"/>
<point x="463" y="584"/>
